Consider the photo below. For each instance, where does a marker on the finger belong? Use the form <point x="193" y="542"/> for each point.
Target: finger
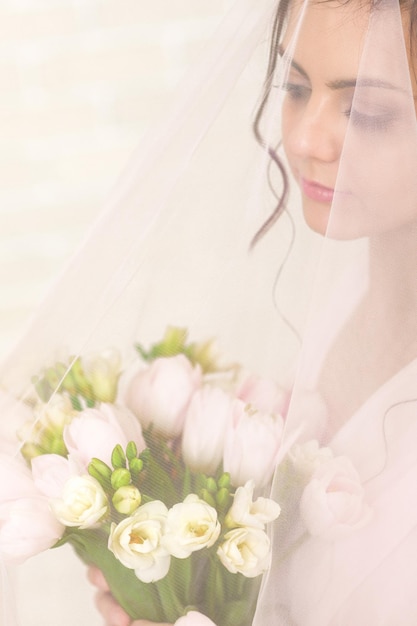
<point x="96" y="578"/>
<point x="113" y="614"/>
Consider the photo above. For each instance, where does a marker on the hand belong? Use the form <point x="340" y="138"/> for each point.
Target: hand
<point x="113" y="614"/>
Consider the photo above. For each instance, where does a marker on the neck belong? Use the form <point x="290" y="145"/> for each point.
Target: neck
<point x="393" y="276"/>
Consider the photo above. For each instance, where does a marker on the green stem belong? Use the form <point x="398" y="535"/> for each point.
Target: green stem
<point x="171" y="606"/>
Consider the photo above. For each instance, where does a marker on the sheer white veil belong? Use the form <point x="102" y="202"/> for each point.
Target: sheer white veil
<point x="344" y="550"/>
<point x="171" y="246"/>
<point x="329" y="314"/>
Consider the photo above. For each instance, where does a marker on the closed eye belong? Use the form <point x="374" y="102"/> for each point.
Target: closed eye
<point x="296" y="91"/>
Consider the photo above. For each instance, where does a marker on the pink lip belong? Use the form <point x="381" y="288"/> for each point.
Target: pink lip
<point x="316" y="192"/>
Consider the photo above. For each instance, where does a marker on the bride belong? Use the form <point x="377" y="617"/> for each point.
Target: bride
<point x="337" y="126"/>
<point x="349" y="136"/>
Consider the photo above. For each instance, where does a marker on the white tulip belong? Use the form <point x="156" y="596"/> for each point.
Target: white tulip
<point x="83" y="502"/>
<point x="191" y="525"/>
<point x="136" y="542"/>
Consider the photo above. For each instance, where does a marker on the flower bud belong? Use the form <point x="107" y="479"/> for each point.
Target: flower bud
<point x="69" y="384"/>
<point x="42" y="388"/>
<point x="207" y="497"/>
<point x="131" y="450"/>
<point x="136" y="466"/>
<point x="206" y="354"/>
<point x="57" y="446"/>
<point x="223" y="498"/>
<point x="118" y="457"/>
<point x="174" y="340"/>
<point x="120" y="478"/>
<point x="211" y="485"/>
<point x="102" y="372"/>
<point x="100" y="471"/>
<point x="224" y="481"/>
<point x="126" y="499"/>
<point x="30" y="450"/>
<point x="81" y="383"/>
<point x="52" y="378"/>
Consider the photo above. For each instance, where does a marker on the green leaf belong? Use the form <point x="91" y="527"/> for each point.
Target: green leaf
<point x="140" y="600"/>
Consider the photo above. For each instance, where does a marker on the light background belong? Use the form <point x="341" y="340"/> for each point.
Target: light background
<point x="81" y="80"/>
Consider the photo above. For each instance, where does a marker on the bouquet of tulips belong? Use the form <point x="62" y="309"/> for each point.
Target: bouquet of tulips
<point x="153" y="473"/>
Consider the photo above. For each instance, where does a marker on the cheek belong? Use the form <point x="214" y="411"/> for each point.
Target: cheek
<point x="384" y="180"/>
<point x="288" y="127"/>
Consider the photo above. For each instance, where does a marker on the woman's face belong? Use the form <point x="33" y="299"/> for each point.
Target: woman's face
<point x="348" y="121"/>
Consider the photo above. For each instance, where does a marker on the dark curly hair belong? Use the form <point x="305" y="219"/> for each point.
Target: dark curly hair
<point x="409" y="6"/>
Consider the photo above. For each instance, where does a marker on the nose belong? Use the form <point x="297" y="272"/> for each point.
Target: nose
<point x="315" y="132"/>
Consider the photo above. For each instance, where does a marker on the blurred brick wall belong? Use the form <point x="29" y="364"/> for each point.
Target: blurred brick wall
<point x="81" y="80"/>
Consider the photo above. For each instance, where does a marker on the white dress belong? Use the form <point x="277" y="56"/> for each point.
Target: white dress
<point x="368" y="578"/>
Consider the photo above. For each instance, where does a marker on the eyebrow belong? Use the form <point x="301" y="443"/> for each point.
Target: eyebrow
<point x="345" y="83"/>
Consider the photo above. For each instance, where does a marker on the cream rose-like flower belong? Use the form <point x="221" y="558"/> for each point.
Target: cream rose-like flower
<point x="245" y="551"/>
<point x="160" y="394"/>
<point x="137" y="542"/>
<point x="191" y="525"/>
<point x="307" y="457"/>
<point x="247" y="512"/>
<point x="208" y="415"/>
<point x="83" y="502"/>
<point x="333" y="502"/>
<point x="252" y="445"/>
<point x="194" y="619"/>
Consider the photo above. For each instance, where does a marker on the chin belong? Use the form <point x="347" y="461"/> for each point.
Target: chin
<point x="344" y="227"/>
<point x="316" y="216"/>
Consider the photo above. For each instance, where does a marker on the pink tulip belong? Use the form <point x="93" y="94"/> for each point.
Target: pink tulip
<point x="27" y="524"/>
<point x="208" y="415"/>
<point x="264" y="395"/>
<point x="333" y="503"/>
<point x="27" y="527"/>
<point x="51" y="471"/>
<point x="95" y="433"/>
<point x="14" y="417"/>
<point x="161" y="393"/>
<point x="252" y="445"/>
